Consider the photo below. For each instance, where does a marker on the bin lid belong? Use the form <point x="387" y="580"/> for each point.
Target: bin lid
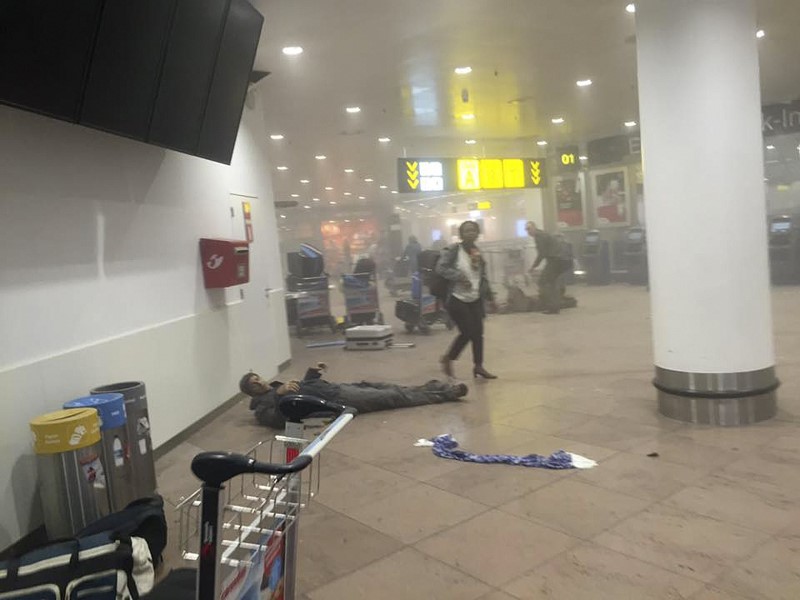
<point x="65" y="430"/>
<point x="110" y="408"/>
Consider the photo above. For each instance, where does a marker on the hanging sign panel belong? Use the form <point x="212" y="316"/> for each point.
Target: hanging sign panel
<point x="468" y="174"/>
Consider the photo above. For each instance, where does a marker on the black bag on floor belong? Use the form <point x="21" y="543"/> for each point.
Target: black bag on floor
<point x="98" y="567"/>
<point x="142" y="518"/>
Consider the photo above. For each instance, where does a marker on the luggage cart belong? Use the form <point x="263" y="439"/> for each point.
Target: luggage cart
<point x="241" y="526"/>
<point x="362" y="306"/>
<point x="422" y="310"/>
<point x="313" y="304"/>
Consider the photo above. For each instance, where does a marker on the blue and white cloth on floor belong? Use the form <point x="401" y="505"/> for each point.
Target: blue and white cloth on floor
<point x="446" y="446"/>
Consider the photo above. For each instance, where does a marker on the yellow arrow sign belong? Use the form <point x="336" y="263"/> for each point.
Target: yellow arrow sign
<point x="412" y="174"/>
<point x="536" y="172"/>
<point x="411" y="165"/>
<point x="413" y="184"/>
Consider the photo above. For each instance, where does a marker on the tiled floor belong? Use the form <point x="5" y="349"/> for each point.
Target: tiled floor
<point x="715" y="516"/>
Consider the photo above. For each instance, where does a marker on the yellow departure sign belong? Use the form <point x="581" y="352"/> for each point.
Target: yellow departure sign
<point x="416" y="175"/>
<point x="468" y="173"/>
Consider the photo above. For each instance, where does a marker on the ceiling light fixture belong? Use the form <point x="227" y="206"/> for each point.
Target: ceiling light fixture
<point x="361" y="198"/>
<point x="292" y="50"/>
<point x="383" y="187"/>
<point x="631" y="8"/>
<point x="583" y="158"/>
<point x="348" y="170"/>
<point x="760" y="34"/>
<point x="583" y="82"/>
<point x="348" y="193"/>
<point x="328" y="188"/>
<point x="352" y="110"/>
<point x="306" y="206"/>
<point x="315" y="199"/>
<point x="276" y="136"/>
<point x="295" y="195"/>
<point x="770" y="147"/>
<point x="369" y="180"/>
<point x="630" y="123"/>
<point x="320" y="157"/>
<point x="463" y="70"/>
<point x="384" y="140"/>
<point x="304" y="181"/>
<point x="468" y="117"/>
<point x="283" y="216"/>
<point x="394" y="191"/>
<point x="470" y="142"/>
<point x="332" y="202"/>
<point x="282" y="168"/>
<point x="557" y="121"/>
<point x="541" y="143"/>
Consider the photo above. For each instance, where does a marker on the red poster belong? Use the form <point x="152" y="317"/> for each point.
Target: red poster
<point x="569" y="200"/>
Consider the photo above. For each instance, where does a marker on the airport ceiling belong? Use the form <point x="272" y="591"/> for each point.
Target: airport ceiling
<point x="396" y="61"/>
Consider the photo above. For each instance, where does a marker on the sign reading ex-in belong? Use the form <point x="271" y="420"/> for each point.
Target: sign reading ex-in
<point x="465" y="174"/>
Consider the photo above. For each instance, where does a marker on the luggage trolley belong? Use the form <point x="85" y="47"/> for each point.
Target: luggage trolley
<point x="361" y="300"/>
<point x="422" y="310"/>
<point x="245" y="546"/>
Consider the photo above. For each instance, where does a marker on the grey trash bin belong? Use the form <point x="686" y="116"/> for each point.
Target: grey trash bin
<point x="120" y="489"/>
<point x="67" y="445"/>
<point x="138" y="425"/>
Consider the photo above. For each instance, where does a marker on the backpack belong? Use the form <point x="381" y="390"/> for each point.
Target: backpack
<point x="436" y="284"/>
<point x="142" y="518"/>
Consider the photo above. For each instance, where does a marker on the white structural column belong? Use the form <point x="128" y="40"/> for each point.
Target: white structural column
<point x="700" y="112"/>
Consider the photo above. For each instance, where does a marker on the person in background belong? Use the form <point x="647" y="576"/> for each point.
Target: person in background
<point x="363" y="396"/>
<point x="462" y="265"/>
<point x="547" y="249"/>
<point x="413" y="248"/>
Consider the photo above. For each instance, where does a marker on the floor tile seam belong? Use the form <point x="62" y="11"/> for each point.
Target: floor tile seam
<point x="495" y="586"/>
<point x="404" y="548"/>
<point x="663" y="504"/>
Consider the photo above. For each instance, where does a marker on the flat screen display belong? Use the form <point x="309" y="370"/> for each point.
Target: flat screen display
<point x="780" y="226"/>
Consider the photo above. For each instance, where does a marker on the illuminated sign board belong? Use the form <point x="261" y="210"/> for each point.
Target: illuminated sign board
<point x="568" y="159"/>
<point x="468" y="174"/>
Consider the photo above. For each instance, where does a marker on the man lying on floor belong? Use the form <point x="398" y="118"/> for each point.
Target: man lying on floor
<point x="364" y="396"/>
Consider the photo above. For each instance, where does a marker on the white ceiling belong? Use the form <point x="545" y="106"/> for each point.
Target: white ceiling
<point x="395" y="60"/>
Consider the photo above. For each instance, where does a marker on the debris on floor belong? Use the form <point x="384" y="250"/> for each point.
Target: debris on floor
<point x="653" y="455"/>
<point x="446" y="446"/>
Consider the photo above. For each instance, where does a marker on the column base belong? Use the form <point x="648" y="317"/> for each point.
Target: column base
<point x="724" y="399"/>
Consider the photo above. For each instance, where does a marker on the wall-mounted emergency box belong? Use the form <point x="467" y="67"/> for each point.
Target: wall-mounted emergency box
<point x="225" y="262"/>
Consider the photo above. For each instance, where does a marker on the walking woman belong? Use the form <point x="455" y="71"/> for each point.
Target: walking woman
<point x="468" y="291"/>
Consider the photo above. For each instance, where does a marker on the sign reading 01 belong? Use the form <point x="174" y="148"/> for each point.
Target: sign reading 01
<point x="463" y="174"/>
<point x="568" y="159"/>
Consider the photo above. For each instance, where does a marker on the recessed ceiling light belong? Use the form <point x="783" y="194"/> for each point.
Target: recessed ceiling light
<point x="292" y="50"/>
<point x="468" y="117"/>
<point x="348" y="193"/>
<point x="383" y="187"/>
<point x="541" y="143"/>
<point x="384" y="140"/>
<point x="770" y="147"/>
<point x="320" y="157"/>
<point x="353" y="110"/>
<point x="630" y="123"/>
<point x="470" y="142"/>
<point x="282" y="168"/>
<point x="304" y="181"/>
<point x="361" y="198"/>
<point x="361" y="220"/>
<point x="332" y="202"/>
<point x="631" y="8"/>
<point x="583" y="158"/>
<point x="394" y="191"/>
<point x="276" y="136"/>
<point x="760" y="33"/>
<point x="315" y="199"/>
<point x="463" y="70"/>
<point x="283" y="216"/>
<point x="583" y="82"/>
<point x="348" y="170"/>
<point x="369" y="180"/>
<point x="295" y="195"/>
<point x="306" y="206"/>
<point x="557" y="121"/>
<point x="329" y="188"/>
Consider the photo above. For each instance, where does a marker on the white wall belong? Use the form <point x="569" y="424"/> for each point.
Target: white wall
<point x="100" y="281"/>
